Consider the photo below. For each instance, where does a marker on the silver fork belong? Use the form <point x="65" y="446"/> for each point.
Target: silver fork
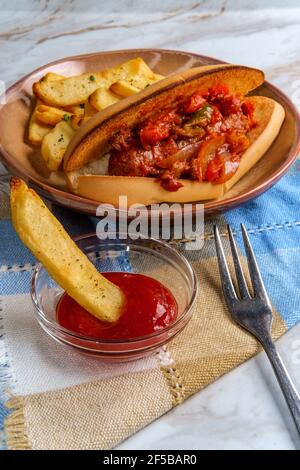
<point x="254" y="313"/>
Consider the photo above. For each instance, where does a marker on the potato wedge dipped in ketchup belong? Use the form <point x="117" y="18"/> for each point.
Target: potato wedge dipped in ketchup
<point x="111" y="305"/>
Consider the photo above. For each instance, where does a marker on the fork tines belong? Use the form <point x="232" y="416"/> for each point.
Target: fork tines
<point x="227" y="284"/>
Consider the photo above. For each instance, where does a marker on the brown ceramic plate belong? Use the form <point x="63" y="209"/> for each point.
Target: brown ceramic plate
<point x="25" y="161"/>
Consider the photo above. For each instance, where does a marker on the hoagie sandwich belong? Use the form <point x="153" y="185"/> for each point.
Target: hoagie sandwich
<point x="189" y="137"/>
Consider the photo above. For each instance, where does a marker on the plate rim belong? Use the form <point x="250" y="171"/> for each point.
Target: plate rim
<point x="213" y="206"/>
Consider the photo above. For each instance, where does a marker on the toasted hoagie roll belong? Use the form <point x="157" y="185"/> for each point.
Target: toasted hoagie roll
<point x="189" y="137"/>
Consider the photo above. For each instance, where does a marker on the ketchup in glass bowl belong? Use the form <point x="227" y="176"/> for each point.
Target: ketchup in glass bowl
<point x="160" y="288"/>
<point x="149" y="307"/>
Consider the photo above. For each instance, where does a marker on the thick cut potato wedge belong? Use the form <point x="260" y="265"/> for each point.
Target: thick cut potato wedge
<point x="71" y="91"/>
<point x="51" y="76"/>
<point x="141" y="82"/>
<point x="123" y="88"/>
<point x="76" y="121"/>
<point x="68" y="91"/>
<point x="54" y="144"/>
<point x="102" y="98"/>
<point x="77" y="109"/>
<point x="89" y="111"/>
<point x="158" y="77"/>
<point x="46" y="238"/>
<point x="135" y="71"/>
<point x="37" y="130"/>
<point x="51" y="116"/>
<point x="132" y="68"/>
<point x="75" y="100"/>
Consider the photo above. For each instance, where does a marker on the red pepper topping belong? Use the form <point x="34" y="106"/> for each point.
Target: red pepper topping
<point x="217" y="92"/>
<point x="195" y="102"/>
<point x="169" y="182"/>
<point x="158" y="129"/>
<point x="248" y="108"/>
<point x="200" y="137"/>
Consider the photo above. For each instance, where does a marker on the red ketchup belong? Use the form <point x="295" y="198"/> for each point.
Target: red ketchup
<point x="149" y="307"/>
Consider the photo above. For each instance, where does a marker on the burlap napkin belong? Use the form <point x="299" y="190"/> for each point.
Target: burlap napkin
<point x="101" y="414"/>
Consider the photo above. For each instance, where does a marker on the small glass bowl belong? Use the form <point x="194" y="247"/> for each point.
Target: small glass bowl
<point x="151" y="257"/>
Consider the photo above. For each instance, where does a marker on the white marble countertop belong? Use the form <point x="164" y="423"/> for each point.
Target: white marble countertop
<point x="244" y="409"/>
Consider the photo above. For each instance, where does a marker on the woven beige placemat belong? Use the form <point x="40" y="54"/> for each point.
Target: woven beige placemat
<point x="101" y="414"/>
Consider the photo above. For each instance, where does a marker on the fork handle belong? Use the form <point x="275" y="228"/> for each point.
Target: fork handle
<point x="289" y="391"/>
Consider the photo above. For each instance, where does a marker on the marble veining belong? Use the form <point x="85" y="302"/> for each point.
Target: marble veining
<point x="244" y="409"/>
